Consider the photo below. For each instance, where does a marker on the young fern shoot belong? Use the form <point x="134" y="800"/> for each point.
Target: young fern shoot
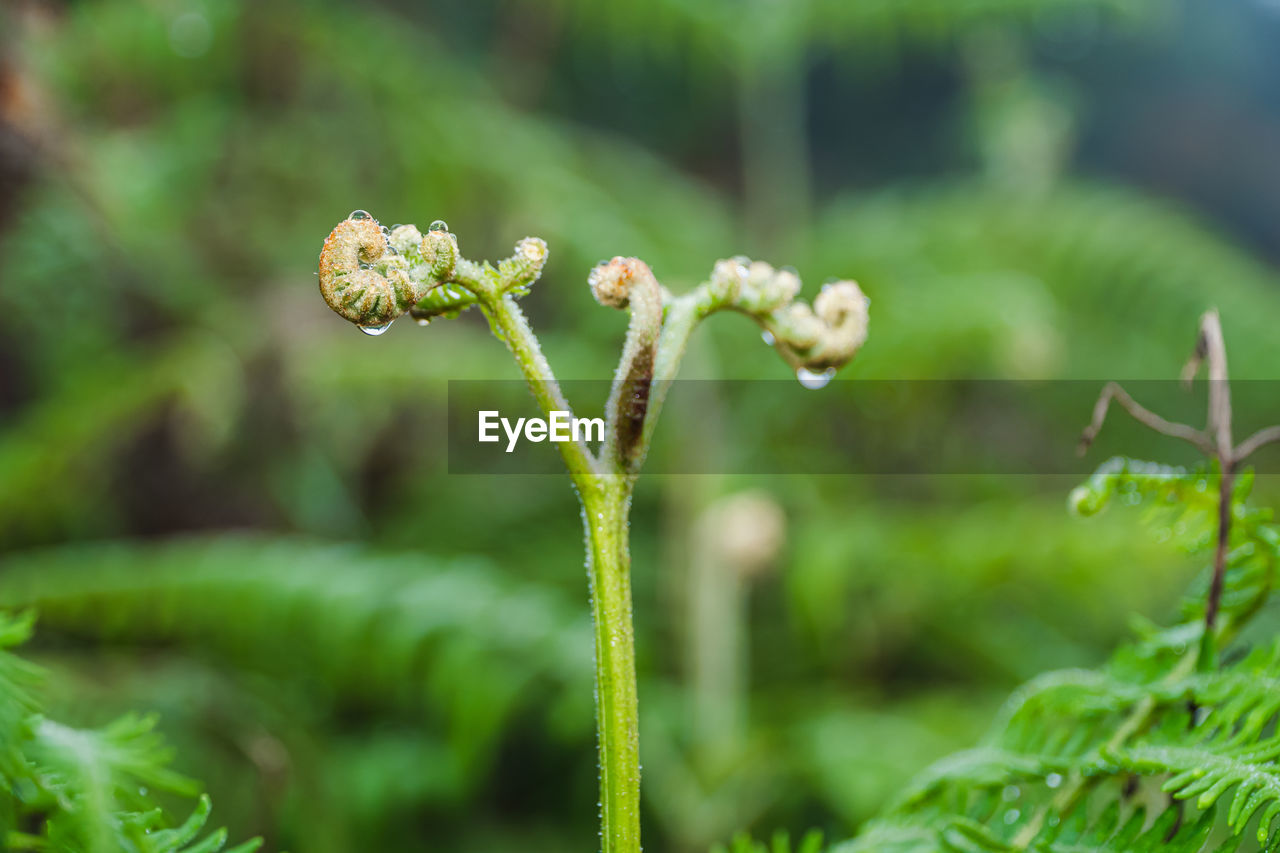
<point x="372" y="275"/>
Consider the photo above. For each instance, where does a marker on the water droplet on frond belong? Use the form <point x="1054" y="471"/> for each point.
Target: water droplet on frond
<point x="374" y="331"/>
<point x="813" y="380"/>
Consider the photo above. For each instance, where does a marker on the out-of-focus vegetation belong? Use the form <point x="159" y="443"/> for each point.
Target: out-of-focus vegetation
<point x="231" y="508"/>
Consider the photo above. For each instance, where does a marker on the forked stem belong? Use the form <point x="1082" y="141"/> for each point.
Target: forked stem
<point x="605" y="496"/>
<point x="371" y="276"/>
<point x="1214" y="441"/>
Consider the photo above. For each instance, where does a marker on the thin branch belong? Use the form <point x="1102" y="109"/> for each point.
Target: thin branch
<point x="1144" y="416"/>
<point x="1215" y="349"/>
<point x="1215" y="440"/>
<point x="1256" y="442"/>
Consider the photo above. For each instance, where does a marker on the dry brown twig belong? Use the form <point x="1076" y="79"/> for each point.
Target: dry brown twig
<point x="1214" y="440"/>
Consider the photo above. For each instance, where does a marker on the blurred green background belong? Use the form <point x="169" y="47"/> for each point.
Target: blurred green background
<point x="230" y="507"/>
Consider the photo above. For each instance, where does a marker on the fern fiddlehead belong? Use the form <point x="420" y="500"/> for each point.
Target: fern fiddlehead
<point x="430" y="279"/>
<point x="362" y="277"/>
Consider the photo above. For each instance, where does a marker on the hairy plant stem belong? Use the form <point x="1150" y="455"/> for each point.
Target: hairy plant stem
<point x="510" y="326"/>
<point x="605" y="495"/>
<point x="606" y="502"/>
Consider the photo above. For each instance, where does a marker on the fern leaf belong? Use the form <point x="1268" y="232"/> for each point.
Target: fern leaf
<point x="1111" y="833"/>
<point x="1154" y="717"/>
<point x="383" y="629"/>
<point x="89" y="789"/>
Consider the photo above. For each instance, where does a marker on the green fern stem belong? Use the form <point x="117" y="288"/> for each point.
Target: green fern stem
<point x="509" y="324"/>
<point x="606" y="500"/>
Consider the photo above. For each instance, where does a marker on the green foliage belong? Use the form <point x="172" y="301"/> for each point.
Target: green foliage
<point x="1160" y="716"/>
<point x="395" y="631"/>
<point x="180" y="196"/>
<point x="874" y="25"/>
<point x="68" y="789"/>
<point x="1090" y="280"/>
<point x="779" y="843"/>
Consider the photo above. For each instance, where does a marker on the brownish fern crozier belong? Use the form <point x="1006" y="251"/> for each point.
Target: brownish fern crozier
<point x="372" y="276"/>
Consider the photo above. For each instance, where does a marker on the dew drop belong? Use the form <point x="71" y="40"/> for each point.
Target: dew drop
<point x="767" y="337"/>
<point x="813" y="380"/>
<point x="1011" y="816"/>
<point x="1053" y="780"/>
<point x="422" y="321"/>
<point x="438" y="225"/>
<point x="359" y="215"/>
<point x="374" y="331"/>
<point x="1011" y="793"/>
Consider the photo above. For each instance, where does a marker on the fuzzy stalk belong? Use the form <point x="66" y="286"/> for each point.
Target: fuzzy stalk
<point x="510" y="326"/>
<point x="606" y="502"/>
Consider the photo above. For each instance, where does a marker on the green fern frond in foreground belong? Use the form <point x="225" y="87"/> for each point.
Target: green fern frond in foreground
<point x="85" y="789"/>
<point x="1161" y="749"/>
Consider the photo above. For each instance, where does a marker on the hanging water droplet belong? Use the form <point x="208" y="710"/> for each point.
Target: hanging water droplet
<point x="374" y="331"/>
<point x="438" y="225"/>
<point x="422" y="321"/>
<point x="814" y="380"/>
<point x="359" y="214"/>
<point x="767" y="337"/>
